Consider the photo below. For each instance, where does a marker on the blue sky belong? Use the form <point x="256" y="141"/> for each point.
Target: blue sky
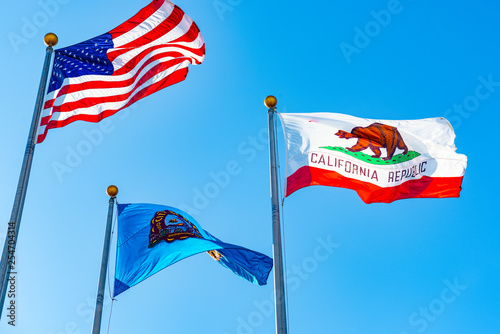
<point x="413" y="266"/>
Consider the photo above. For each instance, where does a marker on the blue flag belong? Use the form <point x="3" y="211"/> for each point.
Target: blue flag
<point x="152" y="237"/>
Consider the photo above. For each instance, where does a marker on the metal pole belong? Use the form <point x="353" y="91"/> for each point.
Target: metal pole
<point x="279" y="283"/>
<point x="8" y="263"/>
<point x="112" y="192"/>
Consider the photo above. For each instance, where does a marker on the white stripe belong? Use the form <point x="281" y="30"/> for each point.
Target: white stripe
<point x="434" y="167"/>
<point x="146" y="26"/>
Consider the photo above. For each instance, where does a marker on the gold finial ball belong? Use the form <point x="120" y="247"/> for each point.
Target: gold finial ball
<point x="112" y="191"/>
<point x="50" y="39"/>
<point x="270" y="101"/>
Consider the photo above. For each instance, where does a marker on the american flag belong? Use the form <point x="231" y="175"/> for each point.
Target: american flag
<point x="97" y="78"/>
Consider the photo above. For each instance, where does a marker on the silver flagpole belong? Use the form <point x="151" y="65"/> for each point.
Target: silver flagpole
<point x="279" y="283"/>
<point x="8" y="263"/>
<point x="112" y="191"/>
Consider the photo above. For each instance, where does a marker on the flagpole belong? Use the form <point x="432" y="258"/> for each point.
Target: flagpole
<point x="112" y="191"/>
<point x="8" y="264"/>
<point x="279" y="283"/>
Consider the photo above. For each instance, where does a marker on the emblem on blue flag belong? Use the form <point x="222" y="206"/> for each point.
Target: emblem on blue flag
<point x="177" y="228"/>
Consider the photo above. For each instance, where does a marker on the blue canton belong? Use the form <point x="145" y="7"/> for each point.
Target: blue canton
<point x="84" y="58"/>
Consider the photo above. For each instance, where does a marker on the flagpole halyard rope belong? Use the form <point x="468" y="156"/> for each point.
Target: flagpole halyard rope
<point x="111" y="238"/>
<point x="110" y="312"/>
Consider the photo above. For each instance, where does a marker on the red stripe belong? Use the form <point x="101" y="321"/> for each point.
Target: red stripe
<point x="190" y="35"/>
<point x="137" y="19"/>
<point x="163" y="28"/>
<point x="45" y="120"/>
<point x="174" y="78"/>
<point x="61" y="92"/>
<point x="41" y="137"/>
<point x="438" y="187"/>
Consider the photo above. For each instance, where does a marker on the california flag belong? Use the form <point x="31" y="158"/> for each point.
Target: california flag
<point x="382" y="160"/>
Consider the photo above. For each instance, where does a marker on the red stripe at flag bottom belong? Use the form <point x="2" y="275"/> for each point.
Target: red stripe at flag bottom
<point x="439" y="187"/>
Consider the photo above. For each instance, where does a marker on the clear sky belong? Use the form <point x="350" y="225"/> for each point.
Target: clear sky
<point x="413" y="266"/>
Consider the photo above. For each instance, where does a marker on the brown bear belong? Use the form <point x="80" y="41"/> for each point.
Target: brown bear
<point x="376" y="136"/>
